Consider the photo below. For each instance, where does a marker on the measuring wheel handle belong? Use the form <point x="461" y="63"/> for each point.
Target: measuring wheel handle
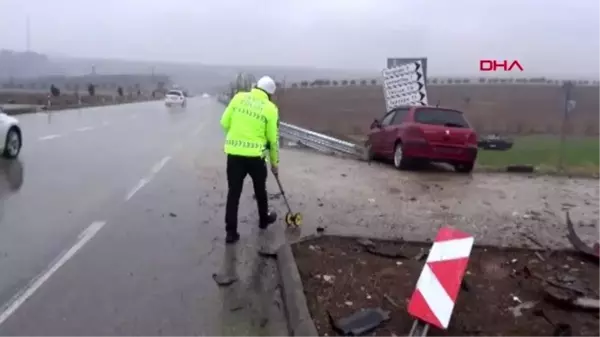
<point x="293" y="219"/>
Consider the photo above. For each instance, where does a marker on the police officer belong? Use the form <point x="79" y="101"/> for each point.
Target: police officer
<point x="250" y="122"/>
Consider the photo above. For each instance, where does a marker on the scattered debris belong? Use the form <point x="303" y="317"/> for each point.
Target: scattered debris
<point x="534" y="240"/>
<point x="360" y="322"/>
<point x="392" y="302"/>
<point x="553" y="283"/>
<point x="328" y="278"/>
<point x="539" y="256"/>
<point x="365" y="242"/>
<point x="590" y="252"/>
<point x="569" y="298"/>
<point x="172" y="215"/>
<point x="517" y="310"/>
<point x="488" y="279"/>
<point x="422" y="254"/>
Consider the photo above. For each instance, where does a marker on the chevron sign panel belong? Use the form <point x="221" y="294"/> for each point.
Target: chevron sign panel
<point x="404" y="85"/>
<point x="438" y="286"/>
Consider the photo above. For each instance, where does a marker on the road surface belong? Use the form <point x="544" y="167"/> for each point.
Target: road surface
<point x="112" y="224"/>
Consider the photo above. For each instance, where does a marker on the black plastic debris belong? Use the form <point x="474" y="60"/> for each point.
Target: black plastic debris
<point x="360" y="322"/>
<point x="520" y="168"/>
<point x="560" y="329"/>
<point x="224" y="279"/>
<point x="388" y="251"/>
<point x="571" y="299"/>
<point x="320" y="230"/>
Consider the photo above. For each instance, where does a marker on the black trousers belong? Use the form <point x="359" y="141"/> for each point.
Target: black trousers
<point x="237" y="169"/>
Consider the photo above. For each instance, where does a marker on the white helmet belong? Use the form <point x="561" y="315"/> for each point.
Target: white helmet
<point x="267" y="84"/>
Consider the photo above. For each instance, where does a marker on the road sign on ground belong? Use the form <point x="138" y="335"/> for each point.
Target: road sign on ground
<point x="404" y="85"/>
<point x="438" y="286"/>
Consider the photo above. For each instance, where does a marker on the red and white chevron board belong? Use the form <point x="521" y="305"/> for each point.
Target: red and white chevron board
<point x="442" y="275"/>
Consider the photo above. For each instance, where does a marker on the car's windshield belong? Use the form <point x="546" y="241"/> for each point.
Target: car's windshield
<point x="445" y="117"/>
<point x="176" y="93"/>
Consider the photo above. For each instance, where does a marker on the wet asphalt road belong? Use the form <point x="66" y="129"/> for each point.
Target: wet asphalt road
<point x="128" y="202"/>
<point x="111" y="224"/>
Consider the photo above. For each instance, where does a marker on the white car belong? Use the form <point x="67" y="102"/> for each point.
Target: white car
<point x="175" y="97"/>
<point x="10" y="132"/>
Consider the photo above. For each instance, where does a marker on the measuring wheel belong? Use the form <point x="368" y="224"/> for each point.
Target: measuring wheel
<point x="293" y="219"/>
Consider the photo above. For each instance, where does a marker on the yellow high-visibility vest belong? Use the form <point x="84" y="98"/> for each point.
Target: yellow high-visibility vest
<point x="250" y="123"/>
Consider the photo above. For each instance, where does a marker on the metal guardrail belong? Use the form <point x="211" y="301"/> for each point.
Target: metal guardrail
<point x="318" y="141"/>
<point x="311" y="139"/>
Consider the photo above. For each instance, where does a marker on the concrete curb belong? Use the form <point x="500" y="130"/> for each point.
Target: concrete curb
<point x="300" y="322"/>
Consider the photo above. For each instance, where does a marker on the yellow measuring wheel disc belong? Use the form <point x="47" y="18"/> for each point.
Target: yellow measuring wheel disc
<point x="293" y="219"/>
<point x="298" y="219"/>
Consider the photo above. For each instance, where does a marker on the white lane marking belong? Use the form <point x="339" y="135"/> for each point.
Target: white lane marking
<point x="153" y="171"/>
<point x="85" y="128"/>
<point x="50" y="137"/>
<point x="15" y="303"/>
<point x="136" y="188"/>
<point x="158" y="166"/>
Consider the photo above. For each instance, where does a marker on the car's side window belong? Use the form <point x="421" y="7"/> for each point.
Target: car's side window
<point x="387" y="119"/>
<point x="400" y="115"/>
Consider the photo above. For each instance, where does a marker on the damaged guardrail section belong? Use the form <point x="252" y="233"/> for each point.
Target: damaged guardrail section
<point x="317" y="140"/>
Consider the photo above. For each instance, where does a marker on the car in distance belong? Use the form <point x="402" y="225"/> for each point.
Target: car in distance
<point x="415" y="134"/>
<point x="10" y="132"/>
<point x="175" y="97"/>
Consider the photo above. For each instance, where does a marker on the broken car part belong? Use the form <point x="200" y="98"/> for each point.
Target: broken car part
<point x="360" y="322"/>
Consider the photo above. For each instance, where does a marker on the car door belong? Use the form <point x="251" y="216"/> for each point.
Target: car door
<point x="377" y="134"/>
<point x="390" y="132"/>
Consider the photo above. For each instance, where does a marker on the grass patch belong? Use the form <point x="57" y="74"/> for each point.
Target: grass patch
<point x="581" y="155"/>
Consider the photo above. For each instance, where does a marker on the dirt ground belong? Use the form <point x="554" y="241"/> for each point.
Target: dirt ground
<point x="500" y="295"/>
<point x="353" y="198"/>
<point x="347" y="112"/>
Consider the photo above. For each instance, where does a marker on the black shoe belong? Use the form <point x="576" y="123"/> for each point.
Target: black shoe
<point x="232" y="238"/>
<point x="271" y="217"/>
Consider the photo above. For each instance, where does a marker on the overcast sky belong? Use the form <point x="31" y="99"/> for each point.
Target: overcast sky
<point x="551" y="37"/>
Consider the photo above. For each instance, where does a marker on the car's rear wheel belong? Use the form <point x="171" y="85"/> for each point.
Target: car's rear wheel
<point x="12" y="145"/>
<point x="464" y="167"/>
<point x="401" y="162"/>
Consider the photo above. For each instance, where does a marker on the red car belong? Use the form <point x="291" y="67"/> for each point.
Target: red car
<point x="413" y="134"/>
